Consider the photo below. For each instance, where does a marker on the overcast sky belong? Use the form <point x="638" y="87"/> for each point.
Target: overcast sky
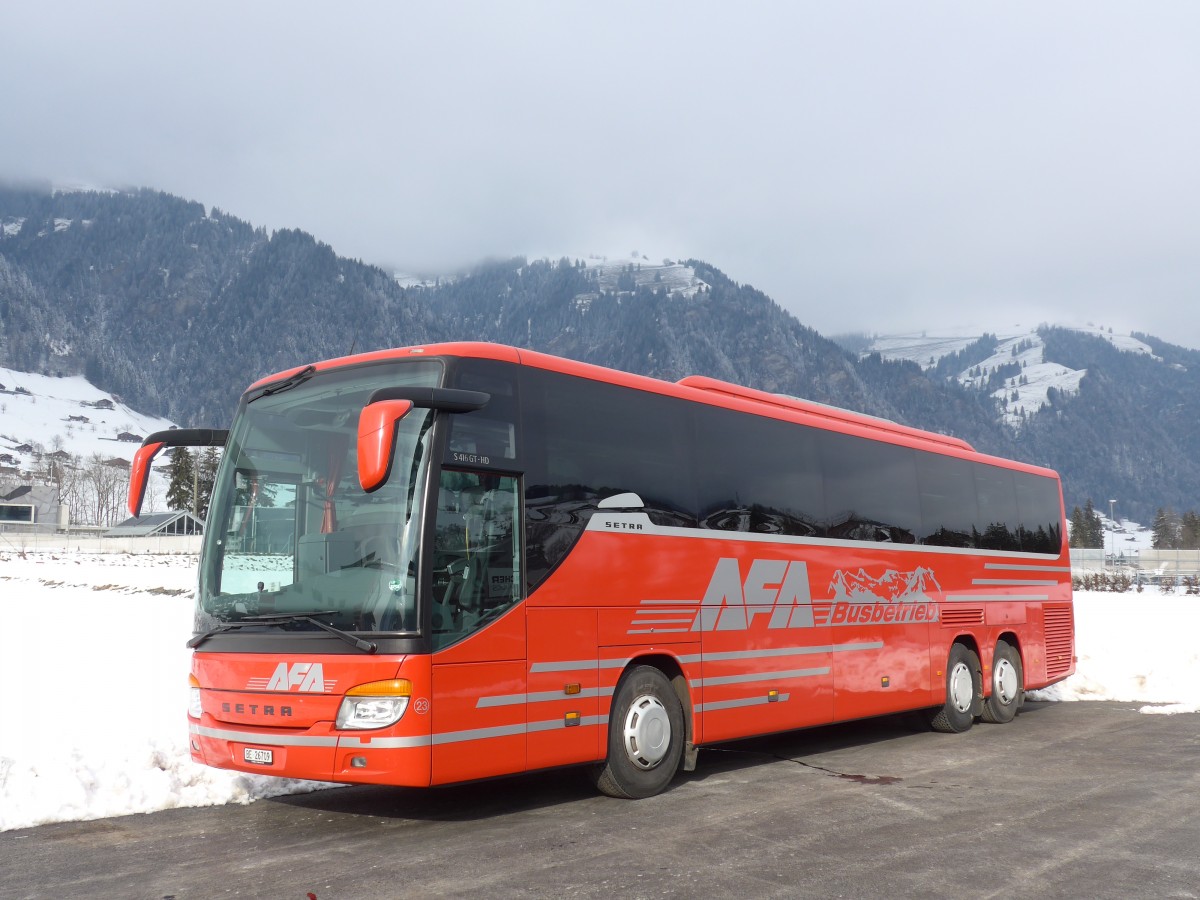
<point x="872" y="166"/>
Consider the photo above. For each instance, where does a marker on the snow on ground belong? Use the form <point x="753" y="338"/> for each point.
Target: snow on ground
<point x="1138" y="648"/>
<point x="93" y="682"/>
<point x="93" y="688"/>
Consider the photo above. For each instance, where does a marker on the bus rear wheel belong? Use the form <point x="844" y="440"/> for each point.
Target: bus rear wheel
<point x="645" y="736"/>
<point x="964" y="690"/>
<point x="1008" y="685"/>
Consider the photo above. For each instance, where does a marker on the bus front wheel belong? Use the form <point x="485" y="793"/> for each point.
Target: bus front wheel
<point x="1008" y="685"/>
<point x="964" y="690"/>
<point x="645" y="736"/>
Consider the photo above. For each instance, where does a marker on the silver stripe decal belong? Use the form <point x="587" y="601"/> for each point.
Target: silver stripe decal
<point x="555" y="724"/>
<point x="257" y="737"/>
<point x="757" y="676"/>
<point x="347" y="741"/>
<point x="575" y="665"/>
<point x="993" y="598"/>
<point x="540" y="697"/>
<point x="390" y="743"/>
<point x="386" y="743"/>
<point x="779" y="651"/>
<point x="588" y="664"/>
<point x="481" y="734"/>
<point x="1017" y="567"/>
<point x="1016" y="582"/>
<point x="596" y="524"/>
<point x="745" y="701"/>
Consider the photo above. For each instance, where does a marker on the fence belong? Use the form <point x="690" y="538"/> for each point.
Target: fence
<point x="93" y="542"/>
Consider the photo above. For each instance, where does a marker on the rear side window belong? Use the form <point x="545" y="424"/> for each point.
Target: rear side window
<point x="870" y="490"/>
<point x="999" y="521"/>
<point x="949" y="513"/>
<point x="1041" y="513"/>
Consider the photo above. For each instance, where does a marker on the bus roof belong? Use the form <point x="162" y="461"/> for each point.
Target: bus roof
<point x="697" y="388"/>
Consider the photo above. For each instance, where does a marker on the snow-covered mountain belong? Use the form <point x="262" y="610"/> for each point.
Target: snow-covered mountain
<point x="177" y="307"/>
<point x="1022" y="393"/>
<point x="608" y="274"/>
<point x="925" y="348"/>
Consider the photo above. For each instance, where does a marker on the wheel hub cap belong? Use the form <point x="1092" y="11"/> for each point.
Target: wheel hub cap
<point x="1005" y="682"/>
<point x="962" y="688"/>
<point x="647" y="732"/>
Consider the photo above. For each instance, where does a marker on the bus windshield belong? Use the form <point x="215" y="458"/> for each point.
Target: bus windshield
<point x="291" y="532"/>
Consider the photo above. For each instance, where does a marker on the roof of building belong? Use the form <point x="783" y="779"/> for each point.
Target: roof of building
<point x="145" y="526"/>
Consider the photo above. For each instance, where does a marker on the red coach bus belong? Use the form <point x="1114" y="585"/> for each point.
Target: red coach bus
<point x="451" y="562"/>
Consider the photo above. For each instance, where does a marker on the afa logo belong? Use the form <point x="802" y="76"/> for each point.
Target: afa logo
<point x="300" y="677"/>
<point x="774" y="592"/>
<point x="774" y="588"/>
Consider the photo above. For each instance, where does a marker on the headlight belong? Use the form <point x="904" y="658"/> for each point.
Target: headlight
<point x="376" y="704"/>
<point x="195" y="710"/>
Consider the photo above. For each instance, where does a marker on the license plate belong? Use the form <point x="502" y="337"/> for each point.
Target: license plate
<point x="257" y="756"/>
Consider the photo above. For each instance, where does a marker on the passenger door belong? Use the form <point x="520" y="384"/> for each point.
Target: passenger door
<point x="478" y="627"/>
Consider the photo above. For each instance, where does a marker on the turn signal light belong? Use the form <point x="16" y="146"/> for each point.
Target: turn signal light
<point x="195" y="708"/>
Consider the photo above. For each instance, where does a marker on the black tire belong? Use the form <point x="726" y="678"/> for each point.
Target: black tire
<point x="1008" y="685"/>
<point x="645" y="736"/>
<point x="964" y="690"/>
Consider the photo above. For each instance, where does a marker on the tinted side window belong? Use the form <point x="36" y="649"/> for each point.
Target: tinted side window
<point x="1041" y="516"/>
<point x="487" y="436"/>
<point x="757" y="475"/>
<point x="948" y="510"/>
<point x="585" y="441"/>
<point x="998" y="521"/>
<point x="870" y="489"/>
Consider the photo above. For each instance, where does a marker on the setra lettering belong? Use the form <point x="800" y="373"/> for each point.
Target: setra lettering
<point x="268" y="710"/>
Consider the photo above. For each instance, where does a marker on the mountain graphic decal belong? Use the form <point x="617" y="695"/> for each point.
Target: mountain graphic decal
<point x="890" y="587"/>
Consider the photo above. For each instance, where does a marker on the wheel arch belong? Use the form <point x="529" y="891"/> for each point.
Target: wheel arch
<point x="968" y="640"/>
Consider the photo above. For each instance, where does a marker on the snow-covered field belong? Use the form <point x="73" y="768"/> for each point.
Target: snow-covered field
<point x="93" y="682"/>
<point x="36" y="409"/>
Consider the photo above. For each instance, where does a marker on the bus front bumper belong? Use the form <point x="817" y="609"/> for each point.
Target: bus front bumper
<point x="317" y="754"/>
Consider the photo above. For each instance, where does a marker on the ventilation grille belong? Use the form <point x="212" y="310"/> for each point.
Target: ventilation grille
<point x="1060" y="650"/>
<point x="956" y="616"/>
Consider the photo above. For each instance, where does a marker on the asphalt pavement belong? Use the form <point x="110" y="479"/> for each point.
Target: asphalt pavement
<point x="1071" y="800"/>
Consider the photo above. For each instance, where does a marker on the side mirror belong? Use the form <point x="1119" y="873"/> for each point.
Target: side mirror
<point x="139" y="473"/>
<point x="377" y="440"/>
<point x="385" y="408"/>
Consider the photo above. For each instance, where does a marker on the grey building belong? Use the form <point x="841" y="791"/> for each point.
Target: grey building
<point x="32" y="508"/>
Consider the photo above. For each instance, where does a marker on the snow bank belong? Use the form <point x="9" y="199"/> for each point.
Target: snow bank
<point x="93" y="684"/>
<point x="1138" y="648"/>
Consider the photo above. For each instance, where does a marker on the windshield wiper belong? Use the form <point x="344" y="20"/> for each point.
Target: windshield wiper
<point x="282" y="618"/>
<point x="283" y="384"/>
